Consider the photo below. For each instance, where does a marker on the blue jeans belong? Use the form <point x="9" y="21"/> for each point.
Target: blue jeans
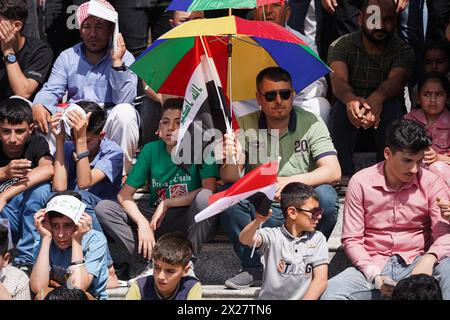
<point x="412" y="29"/>
<point x="235" y="218"/>
<point x="91" y="200"/>
<point x="351" y="284"/>
<point x="20" y="212"/>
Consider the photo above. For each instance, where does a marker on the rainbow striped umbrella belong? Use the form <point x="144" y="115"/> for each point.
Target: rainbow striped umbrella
<point x="198" y="5"/>
<point x="167" y="65"/>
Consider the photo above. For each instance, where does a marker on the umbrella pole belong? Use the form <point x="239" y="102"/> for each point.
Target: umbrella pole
<point x="230" y="82"/>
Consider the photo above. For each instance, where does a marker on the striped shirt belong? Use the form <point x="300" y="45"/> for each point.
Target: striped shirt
<point x="16" y="282"/>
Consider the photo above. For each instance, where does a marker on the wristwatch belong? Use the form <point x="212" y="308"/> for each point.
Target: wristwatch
<point x="123" y="67"/>
<point x="10" y="58"/>
<point x="81" y="155"/>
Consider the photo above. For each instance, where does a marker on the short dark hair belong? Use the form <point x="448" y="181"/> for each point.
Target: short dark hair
<point x="54" y="214"/>
<point x="408" y="136"/>
<point x="98" y="117"/>
<point x="173" y="248"/>
<point x="417" y="287"/>
<point x="273" y="73"/>
<point x="434" y="75"/>
<point x="172" y="104"/>
<point x="63" y="293"/>
<point x="3" y="240"/>
<point x="14" y="10"/>
<point x="295" y="194"/>
<point x="365" y="4"/>
<point x="439" y="44"/>
<point x="15" y="111"/>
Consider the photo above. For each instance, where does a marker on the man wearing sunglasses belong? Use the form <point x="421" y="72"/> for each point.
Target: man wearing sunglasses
<point x="392" y="223"/>
<point x="307" y="154"/>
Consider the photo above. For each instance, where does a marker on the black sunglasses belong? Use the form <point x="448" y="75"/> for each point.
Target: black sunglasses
<point x="271" y="95"/>
<point x="315" y="213"/>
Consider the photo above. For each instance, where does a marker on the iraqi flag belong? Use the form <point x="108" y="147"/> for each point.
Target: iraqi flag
<point x="204" y="109"/>
<point x="258" y="186"/>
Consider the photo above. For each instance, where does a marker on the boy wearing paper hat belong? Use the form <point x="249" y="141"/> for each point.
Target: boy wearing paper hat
<point x="73" y="252"/>
<point x="95" y="70"/>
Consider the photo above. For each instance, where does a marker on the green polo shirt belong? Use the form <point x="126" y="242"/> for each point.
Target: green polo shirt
<point x="367" y="72"/>
<point x="306" y="141"/>
<point x="167" y="180"/>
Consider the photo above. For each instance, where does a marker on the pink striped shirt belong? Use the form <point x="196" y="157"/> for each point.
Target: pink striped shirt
<point x="380" y="222"/>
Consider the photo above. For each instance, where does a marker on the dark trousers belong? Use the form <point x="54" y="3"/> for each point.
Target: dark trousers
<point x="344" y="134"/>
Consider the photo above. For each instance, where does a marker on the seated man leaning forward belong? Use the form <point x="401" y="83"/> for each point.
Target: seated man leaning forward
<point x="295" y="254"/>
<point x="69" y="254"/>
<point x="392" y="223"/>
<point x="93" y="71"/>
<point x="307" y="154"/>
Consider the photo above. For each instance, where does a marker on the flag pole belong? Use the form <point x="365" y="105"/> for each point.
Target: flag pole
<point x="254" y="242"/>
<point x="213" y="75"/>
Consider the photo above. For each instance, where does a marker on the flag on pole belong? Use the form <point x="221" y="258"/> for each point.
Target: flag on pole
<point x="258" y="186"/>
<point x="201" y="111"/>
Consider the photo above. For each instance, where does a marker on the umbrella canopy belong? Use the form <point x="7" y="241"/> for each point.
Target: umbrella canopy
<point x="167" y="65"/>
<point x="198" y="5"/>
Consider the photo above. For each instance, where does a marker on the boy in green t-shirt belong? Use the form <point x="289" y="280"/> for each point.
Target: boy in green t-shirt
<point x="176" y="196"/>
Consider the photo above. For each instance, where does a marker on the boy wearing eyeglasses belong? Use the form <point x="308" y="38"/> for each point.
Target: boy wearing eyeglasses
<point x="295" y="254"/>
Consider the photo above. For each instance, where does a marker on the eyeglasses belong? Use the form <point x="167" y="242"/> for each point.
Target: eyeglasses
<point x="315" y="213"/>
<point x="272" y="95"/>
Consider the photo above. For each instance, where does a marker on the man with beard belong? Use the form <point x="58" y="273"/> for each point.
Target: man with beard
<point x="93" y="71"/>
<point x="370" y="69"/>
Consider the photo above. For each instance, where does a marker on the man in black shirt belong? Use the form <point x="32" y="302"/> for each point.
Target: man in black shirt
<point x="26" y="61"/>
<point x="25" y="172"/>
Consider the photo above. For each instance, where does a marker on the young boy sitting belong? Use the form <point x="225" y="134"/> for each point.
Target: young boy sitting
<point x="25" y="172"/>
<point x="295" y="255"/>
<point x="89" y="163"/>
<point x="176" y="195"/>
<point x="170" y="268"/>
<point x="14" y="283"/>
<point x="74" y="253"/>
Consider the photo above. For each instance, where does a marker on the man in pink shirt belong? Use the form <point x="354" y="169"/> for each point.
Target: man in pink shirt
<point x="392" y="224"/>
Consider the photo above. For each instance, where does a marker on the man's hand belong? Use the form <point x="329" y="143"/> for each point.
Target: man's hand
<point x="18" y="168"/>
<point x="159" y="215"/>
<point x="356" y="112"/>
<point x="425" y="265"/>
<point x="41" y="117"/>
<point x="118" y="54"/>
<point x="3" y="202"/>
<point x="146" y="239"/>
<point x="430" y="156"/>
<point x="83" y="226"/>
<point x="329" y="5"/>
<point x="401" y="5"/>
<point x="445" y="208"/>
<point x="385" y="284"/>
<point x="7" y="36"/>
<point x="375" y="103"/>
<point x="281" y="183"/>
<point x="231" y="149"/>
<point x="42" y="224"/>
<point x="78" y="123"/>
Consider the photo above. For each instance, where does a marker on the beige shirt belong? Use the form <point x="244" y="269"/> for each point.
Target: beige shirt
<point x="16" y="282"/>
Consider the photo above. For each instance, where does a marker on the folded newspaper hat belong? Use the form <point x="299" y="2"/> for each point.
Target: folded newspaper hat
<point x="101" y="6"/>
<point x="67" y="205"/>
<point x="64" y="117"/>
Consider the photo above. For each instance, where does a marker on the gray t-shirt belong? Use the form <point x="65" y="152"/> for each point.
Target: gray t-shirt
<point x="289" y="262"/>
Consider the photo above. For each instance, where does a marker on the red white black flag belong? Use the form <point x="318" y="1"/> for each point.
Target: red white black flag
<point x="258" y="186"/>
